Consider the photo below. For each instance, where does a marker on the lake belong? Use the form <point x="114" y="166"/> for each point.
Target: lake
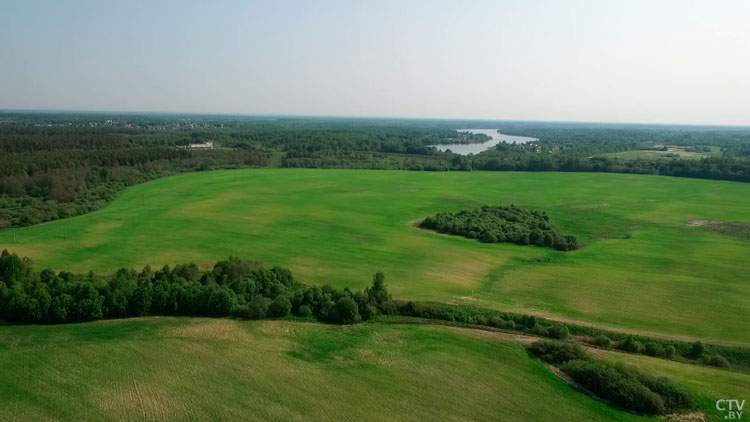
<point x="465" y="149"/>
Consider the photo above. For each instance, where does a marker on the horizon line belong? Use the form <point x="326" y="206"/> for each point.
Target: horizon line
<point x="368" y="117"/>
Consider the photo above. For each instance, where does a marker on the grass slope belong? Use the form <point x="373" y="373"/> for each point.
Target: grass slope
<point x="172" y="369"/>
<point x="643" y="268"/>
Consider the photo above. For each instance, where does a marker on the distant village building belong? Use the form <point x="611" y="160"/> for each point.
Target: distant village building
<point x="205" y="145"/>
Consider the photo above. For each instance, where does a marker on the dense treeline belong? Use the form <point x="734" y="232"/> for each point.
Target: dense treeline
<point x="502" y="224"/>
<point x="233" y="287"/>
<point x="246" y="289"/>
<point x="622" y="385"/>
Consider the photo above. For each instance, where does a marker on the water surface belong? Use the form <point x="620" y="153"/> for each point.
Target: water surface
<point x="465" y="149"/>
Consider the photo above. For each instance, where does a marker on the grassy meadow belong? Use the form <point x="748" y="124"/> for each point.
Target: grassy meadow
<point x="173" y="369"/>
<point x="642" y="269"/>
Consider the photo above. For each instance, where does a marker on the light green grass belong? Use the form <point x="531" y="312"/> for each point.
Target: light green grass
<point x="643" y="268"/>
<point x="172" y="369"/>
<point x="648" y="154"/>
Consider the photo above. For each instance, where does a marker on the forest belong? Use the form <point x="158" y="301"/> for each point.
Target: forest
<point x="60" y="165"/>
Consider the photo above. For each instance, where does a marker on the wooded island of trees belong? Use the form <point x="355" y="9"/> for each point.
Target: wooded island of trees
<point x="502" y="224"/>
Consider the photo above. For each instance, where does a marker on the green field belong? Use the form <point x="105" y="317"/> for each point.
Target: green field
<point x="642" y="269"/>
<point x="172" y="369"/>
<point x="682" y="152"/>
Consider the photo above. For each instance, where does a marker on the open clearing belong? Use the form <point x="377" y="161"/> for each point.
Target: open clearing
<point x="219" y="369"/>
<point x="681" y="152"/>
<point x="642" y="269"/>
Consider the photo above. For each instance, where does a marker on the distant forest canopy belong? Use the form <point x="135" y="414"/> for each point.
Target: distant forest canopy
<point x="504" y="224"/>
<point x="57" y="165"/>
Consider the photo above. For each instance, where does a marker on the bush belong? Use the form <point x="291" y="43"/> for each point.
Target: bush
<point x="718" y="360"/>
<point x="603" y="341"/>
<point x="669" y="352"/>
<point x="539" y="330"/>
<point x="629" y="388"/>
<point x="558" y="331"/>
<point x="653" y="349"/>
<point x="502" y="323"/>
<point x="556" y="352"/>
<point x="696" y="351"/>
<point x="631" y="345"/>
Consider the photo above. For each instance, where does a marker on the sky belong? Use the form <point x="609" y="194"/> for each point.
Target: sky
<point x="605" y="60"/>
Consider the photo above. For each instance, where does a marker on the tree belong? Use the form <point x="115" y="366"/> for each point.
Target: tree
<point x="488" y="237"/>
<point x="221" y="301"/>
<point x="258" y="307"/>
<point x="280" y="307"/>
<point x="345" y="311"/>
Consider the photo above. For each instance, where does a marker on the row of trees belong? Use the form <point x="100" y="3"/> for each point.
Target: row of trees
<point x="233" y="287"/>
<point x="502" y="224"/>
<point x="620" y="384"/>
<point x="246" y="289"/>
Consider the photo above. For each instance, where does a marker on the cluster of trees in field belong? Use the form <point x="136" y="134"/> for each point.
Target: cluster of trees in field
<point x="233" y="287"/>
<point x="622" y="385"/>
<point x="500" y="224"/>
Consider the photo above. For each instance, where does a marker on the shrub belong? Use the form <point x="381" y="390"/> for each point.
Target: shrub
<point x="603" y="341"/>
<point x="629" y="388"/>
<point x="631" y="345"/>
<point x="653" y="349"/>
<point x="556" y="352"/>
<point x="539" y="330"/>
<point x="558" y="331"/>
<point x="615" y="386"/>
<point x="503" y="323"/>
<point x="696" y="350"/>
<point x="718" y="360"/>
<point x="669" y="352"/>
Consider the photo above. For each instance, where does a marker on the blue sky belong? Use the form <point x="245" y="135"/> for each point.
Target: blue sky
<point x="632" y="61"/>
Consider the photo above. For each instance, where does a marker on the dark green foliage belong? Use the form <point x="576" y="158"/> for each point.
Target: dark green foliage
<point x="696" y="350"/>
<point x="629" y="388"/>
<point x="345" y="312"/>
<point x="631" y="345"/>
<point x="502" y="224"/>
<point x="236" y="287"/>
<point x="718" y="360"/>
<point x="539" y="330"/>
<point x="558" y="331"/>
<point x="304" y="311"/>
<point x="280" y="307"/>
<point x="603" y="341"/>
<point x="556" y="352"/>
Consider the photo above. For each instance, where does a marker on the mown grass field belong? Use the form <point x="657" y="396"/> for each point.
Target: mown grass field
<point x="174" y="369"/>
<point x="643" y="268"/>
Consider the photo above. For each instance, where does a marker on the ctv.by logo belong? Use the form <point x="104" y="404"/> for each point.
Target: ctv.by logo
<point x="733" y="407"/>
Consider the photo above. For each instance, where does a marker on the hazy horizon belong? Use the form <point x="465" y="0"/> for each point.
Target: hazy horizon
<point x="667" y="62"/>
